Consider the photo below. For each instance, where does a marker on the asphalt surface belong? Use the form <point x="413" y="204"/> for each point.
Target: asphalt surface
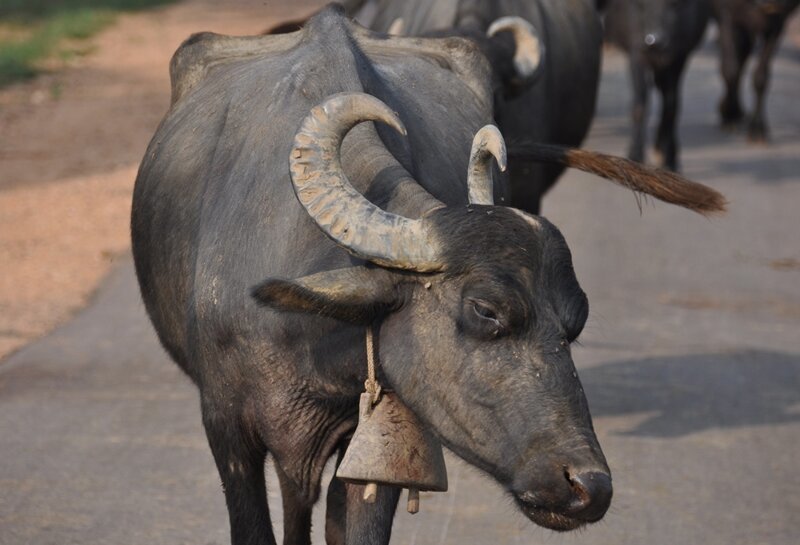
<point x="690" y="360"/>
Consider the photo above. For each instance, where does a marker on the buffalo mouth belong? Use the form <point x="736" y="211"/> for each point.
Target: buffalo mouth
<point x="547" y="518"/>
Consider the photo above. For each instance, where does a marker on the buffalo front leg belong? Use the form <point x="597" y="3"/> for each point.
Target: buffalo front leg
<point x="296" y="511"/>
<point x="666" y="145"/>
<point x="641" y="90"/>
<point x="369" y="523"/>
<point x="349" y="520"/>
<point x="240" y="462"/>
<point x="757" y="130"/>
<point x="336" y="507"/>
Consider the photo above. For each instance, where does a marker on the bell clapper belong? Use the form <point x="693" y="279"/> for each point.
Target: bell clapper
<point x="370" y="492"/>
<point x="413" y="500"/>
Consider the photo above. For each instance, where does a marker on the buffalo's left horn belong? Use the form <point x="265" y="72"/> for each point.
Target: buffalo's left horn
<point x="396" y="28"/>
<point x="321" y="186"/>
<point x="529" y="48"/>
<point x="488" y="143"/>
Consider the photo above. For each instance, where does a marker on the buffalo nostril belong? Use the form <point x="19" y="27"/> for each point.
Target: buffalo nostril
<point x="591" y="495"/>
<point x="653" y="40"/>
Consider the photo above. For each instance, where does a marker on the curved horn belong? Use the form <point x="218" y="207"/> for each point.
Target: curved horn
<point x="360" y="227"/>
<point x="488" y="143"/>
<point x="529" y="48"/>
<point x="397" y="27"/>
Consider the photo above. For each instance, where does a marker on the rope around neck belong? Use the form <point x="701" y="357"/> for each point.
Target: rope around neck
<point x="371" y="384"/>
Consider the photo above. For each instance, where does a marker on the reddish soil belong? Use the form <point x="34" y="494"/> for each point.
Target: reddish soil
<point x="70" y="144"/>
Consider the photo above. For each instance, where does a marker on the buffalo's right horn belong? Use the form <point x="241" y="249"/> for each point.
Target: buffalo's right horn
<point x="321" y="186"/>
<point x="488" y="143"/>
<point x="529" y="48"/>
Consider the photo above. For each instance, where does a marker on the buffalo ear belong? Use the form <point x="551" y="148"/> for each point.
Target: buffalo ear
<point x="356" y="295"/>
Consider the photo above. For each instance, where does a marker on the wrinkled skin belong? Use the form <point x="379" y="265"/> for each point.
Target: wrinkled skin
<point x="510" y="317"/>
<point x="659" y="36"/>
<point x="481" y="355"/>
<point x="498" y="327"/>
<point x="742" y="25"/>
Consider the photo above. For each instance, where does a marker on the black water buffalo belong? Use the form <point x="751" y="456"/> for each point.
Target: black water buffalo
<point x="553" y="102"/>
<point x="742" y="24"/>
<point x="271" y="227"/>
<point x="659" y="36"/>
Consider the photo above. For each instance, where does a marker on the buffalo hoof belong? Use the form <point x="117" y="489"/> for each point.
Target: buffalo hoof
<point x="731" y="115"/>
<point x="636" y="154"/>
<point x="757" y="132"/>
<point x="731" y="126"/>
<point x="665" y="161"/>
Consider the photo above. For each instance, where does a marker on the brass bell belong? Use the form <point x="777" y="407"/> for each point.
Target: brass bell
<point x="391" y="447"/>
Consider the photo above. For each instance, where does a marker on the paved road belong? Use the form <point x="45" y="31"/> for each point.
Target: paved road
<point x="691" y="362"/>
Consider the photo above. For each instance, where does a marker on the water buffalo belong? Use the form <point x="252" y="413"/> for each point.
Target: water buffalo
<point x="271" y="227"/>
<point x="742" y="23"/>
<point x="554" y="103"/>
<point x="659" y="36"/>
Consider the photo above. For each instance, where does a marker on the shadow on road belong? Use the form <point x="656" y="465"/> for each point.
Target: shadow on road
<point x="688" y="394"/>
<point x="764" y="170"/>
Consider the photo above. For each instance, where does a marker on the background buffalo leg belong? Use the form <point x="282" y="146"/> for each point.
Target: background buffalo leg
<point x="641" y="90"/>
<point x="668" y="83"/>
<point x="757" y="131"/>
<point x="736" y="44"/>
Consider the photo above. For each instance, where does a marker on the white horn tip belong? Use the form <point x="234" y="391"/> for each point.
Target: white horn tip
<point x="529" y="48"/>
<point x="397" y="27"/>
<point x="512" y="23"/>
<point x="393" y="120"/>
<point x="491" y="138"/>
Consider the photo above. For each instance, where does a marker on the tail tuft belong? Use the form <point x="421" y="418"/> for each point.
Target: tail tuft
<point x="662" y="184"/>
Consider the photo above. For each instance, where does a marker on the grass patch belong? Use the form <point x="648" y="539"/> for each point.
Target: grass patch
<point x="34" y="30"/>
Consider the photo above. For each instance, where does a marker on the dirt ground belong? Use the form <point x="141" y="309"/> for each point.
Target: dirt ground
<point x="70" y="144"/>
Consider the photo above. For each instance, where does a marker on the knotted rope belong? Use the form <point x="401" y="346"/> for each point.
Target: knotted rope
<point x="371" y="384"/>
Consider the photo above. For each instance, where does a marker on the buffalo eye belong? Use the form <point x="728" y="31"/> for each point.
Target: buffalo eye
<point x="482" y="320"/>
<point x="484" y="311"/>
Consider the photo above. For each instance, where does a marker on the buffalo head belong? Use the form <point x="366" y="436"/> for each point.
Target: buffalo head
<point x="513" y="46"/>
<point x="478" y="306"/>
<point x="661" y="29"/>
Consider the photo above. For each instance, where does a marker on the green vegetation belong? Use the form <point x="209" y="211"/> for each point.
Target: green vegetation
<point x="33" y="30"/>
